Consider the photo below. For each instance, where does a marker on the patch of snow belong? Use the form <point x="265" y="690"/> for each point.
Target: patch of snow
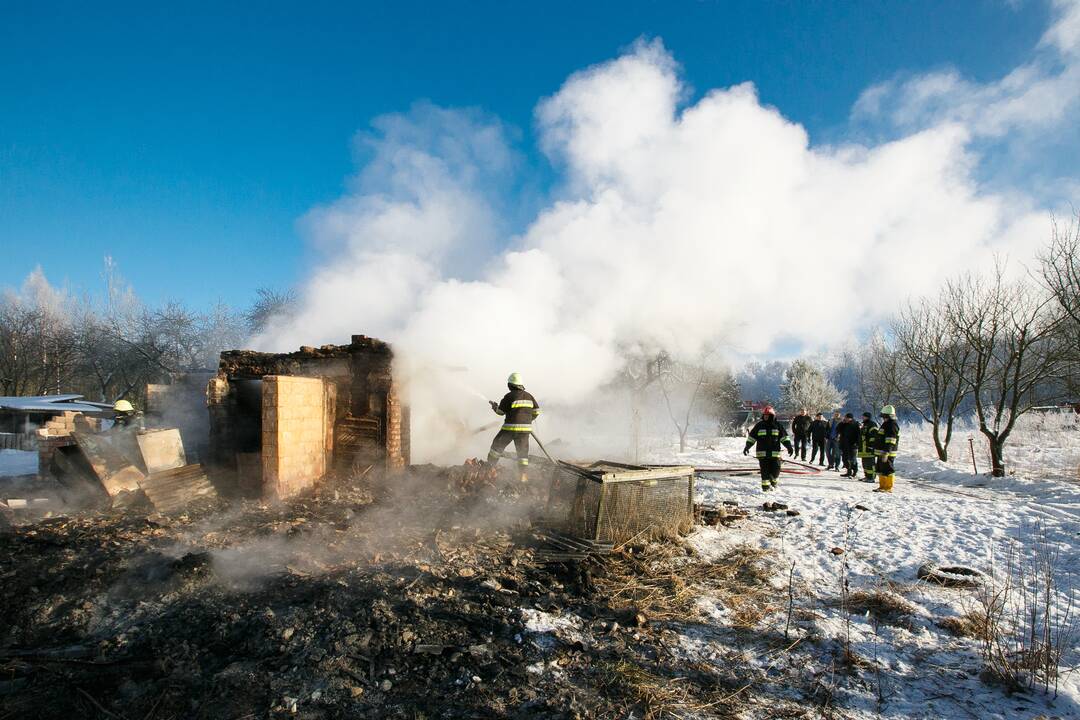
<point x="939" y="512"/>
<point x="18" y="462"/>
<point x="567" y="628"/>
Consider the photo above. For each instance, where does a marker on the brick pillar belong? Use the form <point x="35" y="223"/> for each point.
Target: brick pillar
<point x="395" y="457"/>
<point x="217" y="404"/>
<point x="294" y="416"/>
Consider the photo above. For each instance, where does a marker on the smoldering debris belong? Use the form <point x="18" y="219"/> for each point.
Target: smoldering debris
<point x="403" y="595"/>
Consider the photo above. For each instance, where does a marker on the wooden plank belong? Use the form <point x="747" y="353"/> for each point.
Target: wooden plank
<point x="109" y="454"/>
<point x="174" y="489"/>
<point x="650" y="474"/>
<point x="161" y="449"/>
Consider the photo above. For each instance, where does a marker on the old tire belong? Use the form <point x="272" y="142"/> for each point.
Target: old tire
<point x="956" y="576"/>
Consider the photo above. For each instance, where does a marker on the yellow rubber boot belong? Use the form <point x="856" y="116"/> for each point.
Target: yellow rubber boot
<point x="885" y="483"/>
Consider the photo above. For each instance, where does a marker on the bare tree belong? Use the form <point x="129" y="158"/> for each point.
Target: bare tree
<point x="1060" y="273"/>
<point x="685" y="382"/>
<point x="269" y="304"/>
<point x="1009" y="328"/>
<point x="931" y="363"/>
<point x="640" y="370"/>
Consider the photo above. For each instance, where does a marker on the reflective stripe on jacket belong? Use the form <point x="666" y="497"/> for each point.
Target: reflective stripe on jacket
<point x="770" y="437"/>
<point x="888" y="439"/>
<point x="520" y="408"/>
<point x="868" y="439"/>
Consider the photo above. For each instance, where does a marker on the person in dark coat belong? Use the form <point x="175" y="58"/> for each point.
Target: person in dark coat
<point x="819" y="433"/>
<point x="848" y="436"/>
<point x="832" y="442"/>
<point x="800" y="430"/>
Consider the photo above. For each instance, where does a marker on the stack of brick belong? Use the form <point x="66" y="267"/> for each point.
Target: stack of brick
<point x="57" y="433"/>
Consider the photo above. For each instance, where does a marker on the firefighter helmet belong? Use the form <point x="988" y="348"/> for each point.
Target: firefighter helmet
<point x="888" y="410"/>
<point x="769" y="410"/>
<point x="123" y="406"/>
<point x="515" y="379"/>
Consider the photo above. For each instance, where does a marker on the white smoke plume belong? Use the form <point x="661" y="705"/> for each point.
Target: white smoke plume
<point x="675" y="225"/>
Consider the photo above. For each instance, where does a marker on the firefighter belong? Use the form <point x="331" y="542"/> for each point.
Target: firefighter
<point x="520" y="409"/>
<point x="800" y="430"/>
<point x="769" y="436"/>
<point x="888" y="441"/>
<point x="868" y="446"/>
<point x="125" y="414"/>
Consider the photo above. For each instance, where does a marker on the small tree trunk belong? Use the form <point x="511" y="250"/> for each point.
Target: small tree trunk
<point x="682" y="441"/>
<point x="942" y="449"/>
<point x="997" y="453"/>
<point x="997" y="456"/>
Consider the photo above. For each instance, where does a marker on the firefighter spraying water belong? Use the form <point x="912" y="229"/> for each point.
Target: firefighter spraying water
<point x="519" y="409"/>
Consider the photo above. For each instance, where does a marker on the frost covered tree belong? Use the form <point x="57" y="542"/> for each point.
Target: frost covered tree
<point x="1011" y="330"/>
<point x="1060" y="273"/>
<point x="807" y="387"/>
<point x="928" y="362"/>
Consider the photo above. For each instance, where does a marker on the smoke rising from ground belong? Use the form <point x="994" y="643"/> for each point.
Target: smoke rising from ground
<point x="676" y="224"/>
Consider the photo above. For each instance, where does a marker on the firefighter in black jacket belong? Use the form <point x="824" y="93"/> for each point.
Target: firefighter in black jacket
<point x="769" y="436"/>
<point x="868" y="447"/>
<point x="520" y="409"/>
<point x="819" y="433"/>
<point x="800" y="429"/>
<point x="848" y="433"/>
<point x="888" y="442"/>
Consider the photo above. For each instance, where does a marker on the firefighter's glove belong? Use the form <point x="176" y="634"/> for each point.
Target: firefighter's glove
<point x="494" y="405"/>
<point x="790" y="452"/>
<point x="746" y="451"/>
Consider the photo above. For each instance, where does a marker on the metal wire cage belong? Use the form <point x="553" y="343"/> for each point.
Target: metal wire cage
<point x="612" y="502"/>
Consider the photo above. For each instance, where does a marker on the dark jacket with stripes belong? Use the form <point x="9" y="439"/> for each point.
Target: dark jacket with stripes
<point x="520" y="408"/>
<point x="770" y="436"/>
<point x="868" y="439"/>
<point x="888" y="439"/>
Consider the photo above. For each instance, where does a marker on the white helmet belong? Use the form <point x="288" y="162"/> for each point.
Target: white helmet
<point x="515" y="379"/>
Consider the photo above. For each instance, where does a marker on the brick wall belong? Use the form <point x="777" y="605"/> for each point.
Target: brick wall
<point x="57" y="433"/>
<point x="294" y="434"/>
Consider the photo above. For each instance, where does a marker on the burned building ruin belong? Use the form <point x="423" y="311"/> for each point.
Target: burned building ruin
<point x="281" y="421"/>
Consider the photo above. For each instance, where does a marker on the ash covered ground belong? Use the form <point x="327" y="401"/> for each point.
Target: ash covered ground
<point x="415" y="597"/>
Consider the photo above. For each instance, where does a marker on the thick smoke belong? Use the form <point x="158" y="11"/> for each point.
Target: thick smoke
<point x="675" y="225"/>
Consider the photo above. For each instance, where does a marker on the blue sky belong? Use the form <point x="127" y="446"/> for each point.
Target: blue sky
<point x="188" y="144"/>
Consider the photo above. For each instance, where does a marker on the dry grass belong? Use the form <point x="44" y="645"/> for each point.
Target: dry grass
<point x="971" y="624"/>
<point x="886" y="607"/>
<point x="660" y="696"/>
<point x="664" y="584"/>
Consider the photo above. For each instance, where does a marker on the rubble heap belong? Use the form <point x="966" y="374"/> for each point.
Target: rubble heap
<point x="410" y="595"/>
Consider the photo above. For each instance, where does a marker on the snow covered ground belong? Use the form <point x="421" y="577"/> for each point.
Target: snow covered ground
<point x="18" y="462"/>
<point x="938" y="513"/>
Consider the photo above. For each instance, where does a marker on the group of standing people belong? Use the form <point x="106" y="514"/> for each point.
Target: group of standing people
<point x="841" y="442"/>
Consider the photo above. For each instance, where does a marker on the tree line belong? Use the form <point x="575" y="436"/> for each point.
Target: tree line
<point x="108" y="346"/>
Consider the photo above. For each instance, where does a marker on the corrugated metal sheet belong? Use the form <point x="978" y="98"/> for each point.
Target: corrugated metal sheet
<point x="51" y="403"/>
